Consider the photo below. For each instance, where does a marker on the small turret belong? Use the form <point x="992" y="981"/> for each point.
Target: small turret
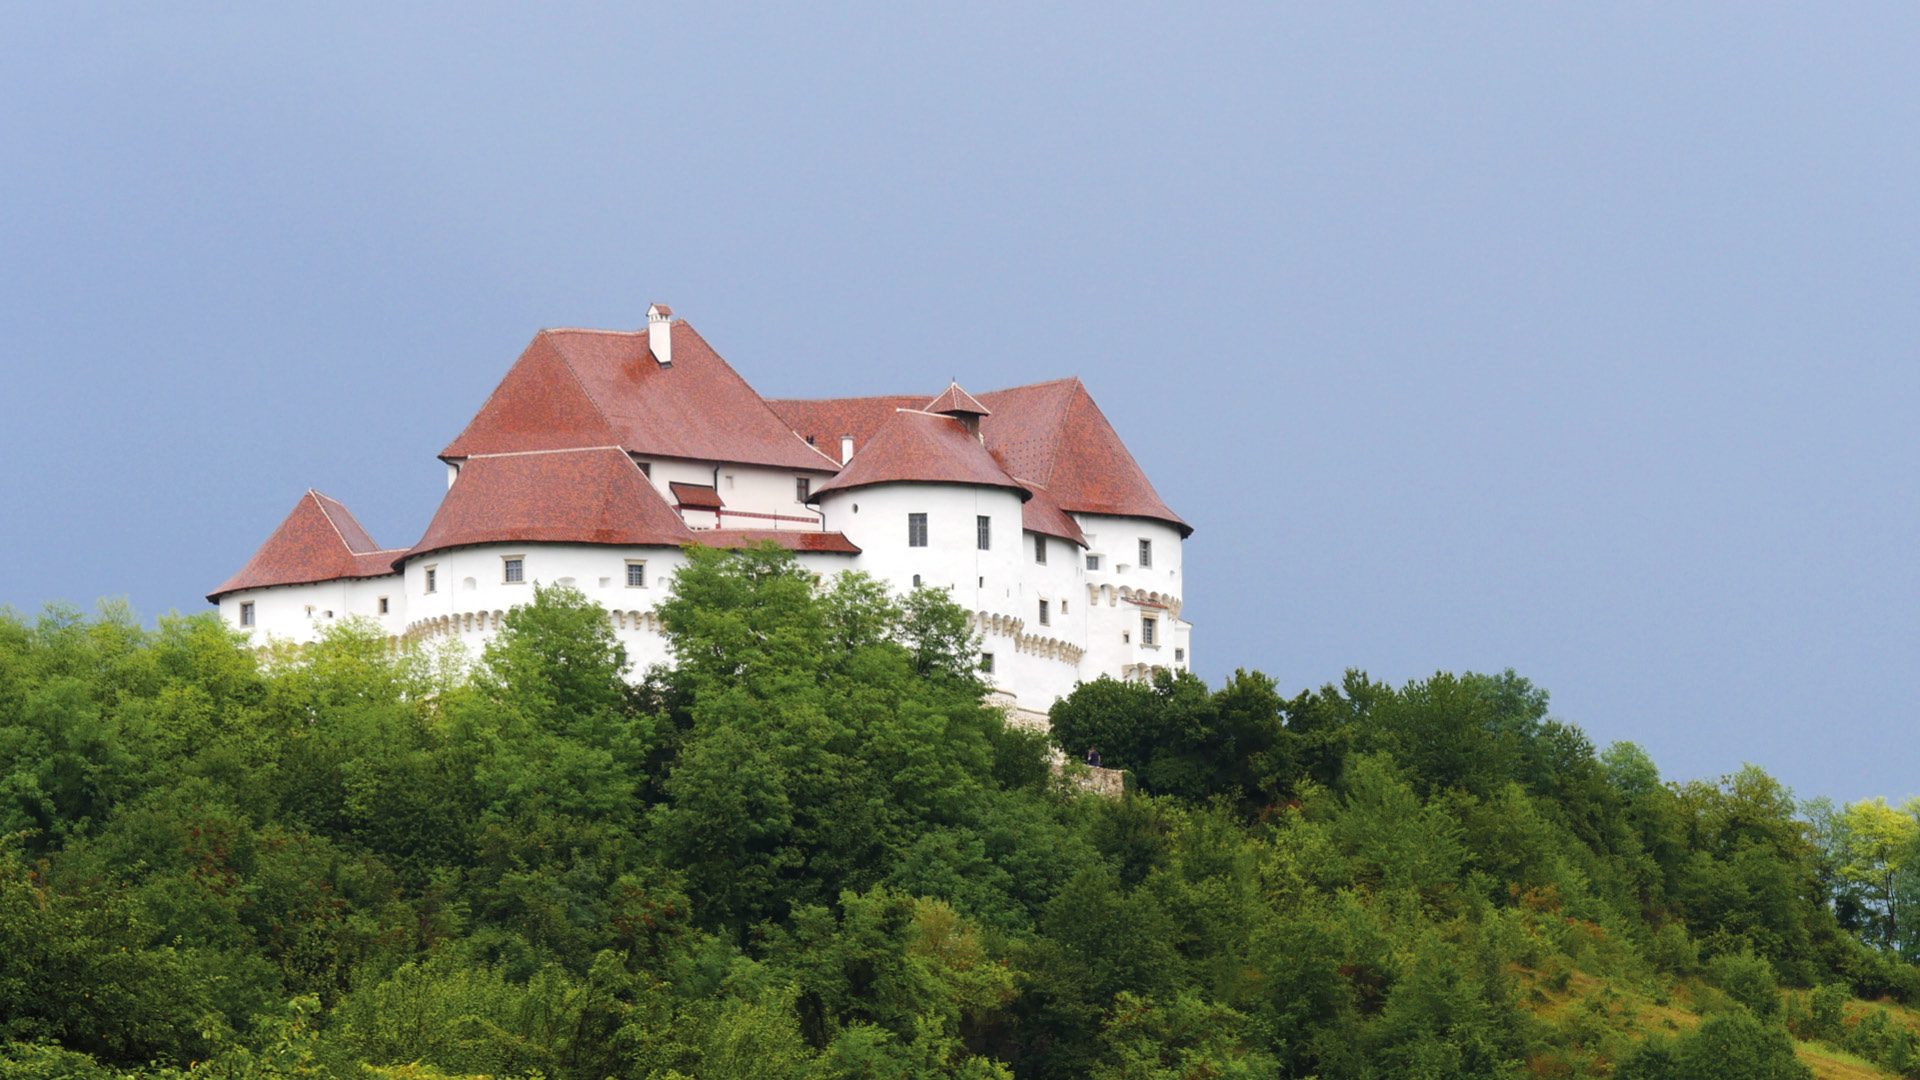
<point x="960" y="405"/>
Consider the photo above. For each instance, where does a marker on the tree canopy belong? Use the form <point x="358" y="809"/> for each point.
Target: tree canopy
<point x="810" y="848"/>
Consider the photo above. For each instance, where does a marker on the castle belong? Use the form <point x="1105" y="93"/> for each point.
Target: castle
<point x="603" y="454"/>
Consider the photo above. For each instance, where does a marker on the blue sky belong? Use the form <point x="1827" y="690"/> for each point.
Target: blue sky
<point x="1578" y="340"/>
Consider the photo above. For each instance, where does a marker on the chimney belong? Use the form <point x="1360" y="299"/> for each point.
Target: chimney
<point x="660" y="334"/>
<point x="846" y="449"/>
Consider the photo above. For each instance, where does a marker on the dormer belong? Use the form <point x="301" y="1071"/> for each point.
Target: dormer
<point x="960" y="405"/>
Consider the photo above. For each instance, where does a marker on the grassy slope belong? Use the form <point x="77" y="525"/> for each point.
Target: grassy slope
<point x="1596" y="1020"/>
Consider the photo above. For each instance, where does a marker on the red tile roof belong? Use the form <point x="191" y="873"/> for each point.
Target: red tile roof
<point x="590" y="496"/>
<point x="923" y="448"/>
<point x="1042" y="515"/>
<point x="695" y="496"/>
<point x="318" y="541"/>
<point x="831" y="543"/>
<point x="955" y="400"/>
<point x="827" y="419"/>
<point x="574" y="388"/>
<point x="1050" y="434"/>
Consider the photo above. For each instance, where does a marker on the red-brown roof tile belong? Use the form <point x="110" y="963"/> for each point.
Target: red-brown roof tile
<point x="831" y="543"/>
<point x="827" y="419"/>
<point x="1041" y="514"/>
<point x="590" y="496"/>
<point x="1050" y="434"/>
<point x="695" y="496"/>
<point x="318" y="541"/>
<point x="577" y="388"/>
<point x="955" y="401"/>
<point x="1054" y="435"/>
<point x="920" y="447"/>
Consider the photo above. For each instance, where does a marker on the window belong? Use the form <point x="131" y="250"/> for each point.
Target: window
<point x="986" y="662"/>
<point x="1039" y="549"/>
<point x="1179" y="656"/>
<point x="1146" y="554"/>
<point x="800" y="489"/>
<point x="246" y="613"/>
<point x="383" y="605"/>
<point x="916" y="581"/>
<point x="1046" y="616"/>
<point x="636" y="573"/>
<point x="1148" y="624"/>
<point x="513" y="569"/>
<point x="729" y="481"/>
<point x="916" y="530"/>
<point x="433" y="579"/>
<point x="1093" y="562"/>
<point x="983" y="532"/>
<point x="1063" y="607"/>
<point x="646" y="469"/>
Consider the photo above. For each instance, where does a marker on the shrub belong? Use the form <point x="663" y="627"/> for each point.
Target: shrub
<point x="1747" y="979"/>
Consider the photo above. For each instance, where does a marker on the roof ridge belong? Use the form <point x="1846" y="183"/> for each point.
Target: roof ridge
<point x="821" y="400"/>
<point x="555" y="450"/>
<point x="1031" y="385"/>
<point x="581" y="385"/>
<point x="316" y="495"/>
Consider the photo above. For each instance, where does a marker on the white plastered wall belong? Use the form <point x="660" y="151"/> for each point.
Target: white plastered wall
<point x="756" y="497"/>
<point x="1121" y="593"/>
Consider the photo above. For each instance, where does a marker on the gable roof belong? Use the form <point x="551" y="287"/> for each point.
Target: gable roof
<point x="595" y="495"/>
<point x="1050" y="434"/>
<point x="574" y="388"/>
<point x="920" y="447"/>
<point x="955" y="400"/>
<point x="318" y="541"/>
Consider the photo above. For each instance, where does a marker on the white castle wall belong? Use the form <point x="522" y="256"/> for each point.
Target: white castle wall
<point x="1114" y="644"/>
<point x="1094" y="624"/>
<point x="302" y="612"/>
<point x="756" y="497"/>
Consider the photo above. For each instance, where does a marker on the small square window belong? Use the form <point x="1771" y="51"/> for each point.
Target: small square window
<point x="916" y="530"/>
<point x="383" y="605"/>
<point x="636" y="574"/>
<point x="1146" y="554"/>
<point x="513" y="569"/>
<point x="246" y="613"/>
<point x="1046" y="615"/>
<point x="646" y="469"/>
<point x="1093" y="562"/>
<point x="986" y="662"/>
<point x="983" y="532"/>
<point x="802" y="487"/>
<point x="1039" y="548"/>
<point x="433" y="579"/>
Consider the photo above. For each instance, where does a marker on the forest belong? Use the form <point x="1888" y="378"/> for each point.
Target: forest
<point x="811" y="849"/>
